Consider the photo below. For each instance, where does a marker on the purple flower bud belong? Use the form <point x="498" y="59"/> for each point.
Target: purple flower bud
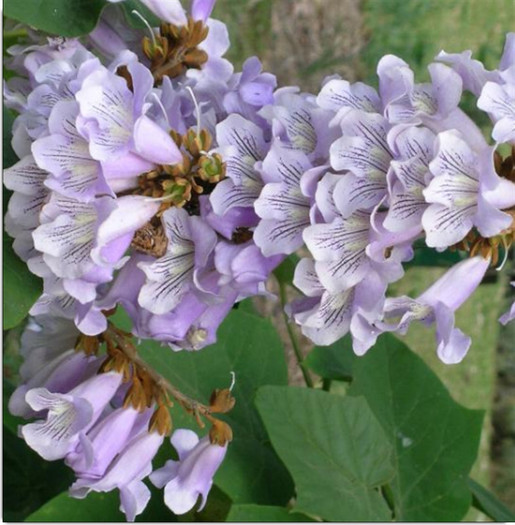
<point x="125" y="473"/>
<point x="192" y="476"/>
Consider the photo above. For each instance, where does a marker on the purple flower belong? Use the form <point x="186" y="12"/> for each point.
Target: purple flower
<point x="65" y="155"/>
<point x="169" y="278"/>
<point x="296" y="119"/>
<point x="249" y="91"/>
<point x="473" y="72"/>
<point x="68" y="414"/>
<point x="282" y="206"/>
<point x="243" y="267"/>
<point x="340" y="96"/>
<point x="68" y="234"/>
<point x="58" y="375"/>
<point x="498" y="99"/>
<point x="326" y="316"/>
<point x="363" y="151"/>
<point x="99" y="446"/>
<point x="242" y="145"/>
<point x="112" y="117"/>
<point x="408" y="177"/>
<point x="125" y="473"/>
<point x="26" y="179"/>
<point x="457" y="193"/>
<point x="192" y="476"/>
<point x="437" y="305"/>
<point x="405" y="101"/>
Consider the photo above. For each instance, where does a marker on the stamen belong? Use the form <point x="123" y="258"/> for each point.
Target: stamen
<point x="506" y="253"/>
<point x="160" y="104"/>
<point x="233" y="380"/>
<point x="149" y="27"/>
<point x="197" y="109"/>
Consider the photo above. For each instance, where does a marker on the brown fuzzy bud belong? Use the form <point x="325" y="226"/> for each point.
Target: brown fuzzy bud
<point x="221" y="401"/>
<point x="220" y="433"/>
<point x="161" y="421"/>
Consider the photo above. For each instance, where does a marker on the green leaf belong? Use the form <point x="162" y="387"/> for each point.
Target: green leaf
<point x="21" y="287"/>
<point x="334" y="361"/>
<point x="263" y="513"/>
<point x="436" y="440"/>
<point x="334" y="448"/>
<point x="98" y="506"/>
<point x="60" y="17"/>
<point x="487" y="503"/>
<point x="249" y="346"/>
<point x="285" y="271"/>
<point x="105" y="507"/>
<point x="29" y="480"/>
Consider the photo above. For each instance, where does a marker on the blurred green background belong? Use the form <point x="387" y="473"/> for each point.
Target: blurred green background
<point x="302" y="41"/>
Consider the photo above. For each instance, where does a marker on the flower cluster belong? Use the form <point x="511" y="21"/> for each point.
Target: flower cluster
<point x="407" y="165"/>
<point x="107" y="418"/>
<point x="154" y="177"/>
<point x="141" y="164"/>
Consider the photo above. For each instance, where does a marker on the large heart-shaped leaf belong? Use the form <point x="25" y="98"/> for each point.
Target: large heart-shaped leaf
<point x="334" y="361"/>
<point x="334" y="448"/>
<point x="435" y="439"/>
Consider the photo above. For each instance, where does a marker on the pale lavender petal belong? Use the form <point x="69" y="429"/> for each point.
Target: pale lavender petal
<point x="170" y="11"/>
<point x="184" y="441"/>
<point x="131" y="213"/>
<point x="490" y="221"/>
<point x="154" y="144"/>
<point x="447" y="226"/>
<point x="25" y="176"/>
<point x="508" y="55"/>
<point x="363" y="149"/>
<point x="106" y="100"/>
<point x="338" y="94"/>
<point x="446" y="88"/>
<point x="201" y="9"/>
<point x="453" y="344"/>
<point x="58" y="434"/>
<point x="245" y="144"/>
<point x="306" y="278"/>
<point x="134" y="498"/>
<point x="457" y="284"/>
<point x="472" y="72"/>
<point x="354" y="193"/>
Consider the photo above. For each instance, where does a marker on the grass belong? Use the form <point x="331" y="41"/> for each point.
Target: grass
<point x="416" y="30"/>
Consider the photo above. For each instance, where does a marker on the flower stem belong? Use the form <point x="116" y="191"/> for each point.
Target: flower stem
<point x="293" y="337"/>
<point x="128" y="348"/>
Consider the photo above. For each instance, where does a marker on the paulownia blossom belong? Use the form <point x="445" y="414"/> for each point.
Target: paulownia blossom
<point x="155" y="178"/>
